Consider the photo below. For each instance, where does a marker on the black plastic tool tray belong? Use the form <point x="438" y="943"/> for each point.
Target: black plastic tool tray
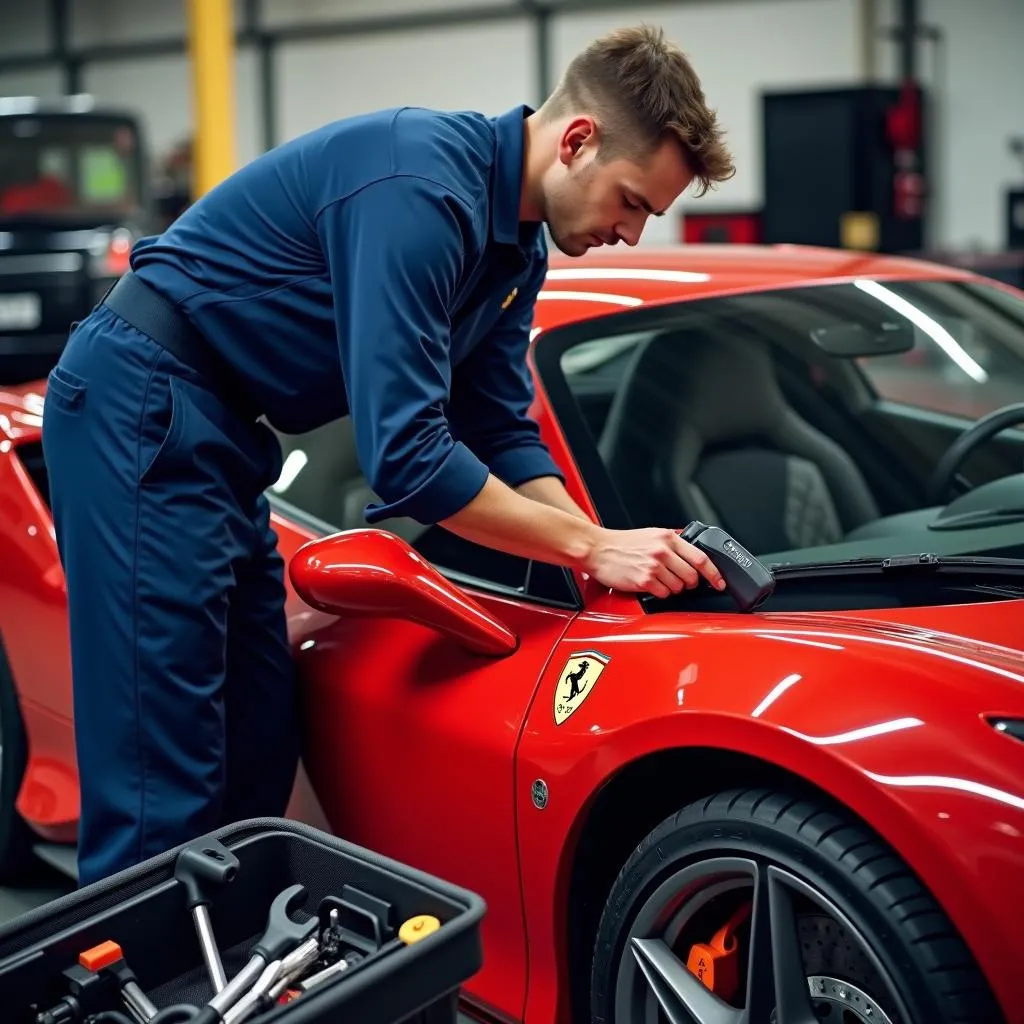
<point x="145" y="911"/>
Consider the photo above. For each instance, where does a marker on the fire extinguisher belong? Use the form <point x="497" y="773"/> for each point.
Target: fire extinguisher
<point x="903" y="126"/>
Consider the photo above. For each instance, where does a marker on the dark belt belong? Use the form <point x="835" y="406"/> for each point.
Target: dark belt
<point x="148" y="311"/>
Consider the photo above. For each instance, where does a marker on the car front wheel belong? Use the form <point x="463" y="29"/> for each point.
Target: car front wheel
<point x="754" y="907"/>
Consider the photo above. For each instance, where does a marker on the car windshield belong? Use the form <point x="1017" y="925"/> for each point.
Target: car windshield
<point x="67" y="167"/>
<point x="966" y="357"/>
<point x="805" y="421"/>
<point x="728" y="410"/>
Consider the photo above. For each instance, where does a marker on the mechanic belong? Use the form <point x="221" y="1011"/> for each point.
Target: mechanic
<point x="384" y="266"/>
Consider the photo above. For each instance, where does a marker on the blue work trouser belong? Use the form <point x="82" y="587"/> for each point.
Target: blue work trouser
<point x="184" y="701"/>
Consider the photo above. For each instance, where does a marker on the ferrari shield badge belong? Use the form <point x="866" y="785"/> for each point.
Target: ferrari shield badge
<point x="510" y="298"/>
<point x="579" y="676"/>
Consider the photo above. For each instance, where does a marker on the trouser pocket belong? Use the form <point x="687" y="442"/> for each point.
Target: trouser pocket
<point x="65" y="391"/>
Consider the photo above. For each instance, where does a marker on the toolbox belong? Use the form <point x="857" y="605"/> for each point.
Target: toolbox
<point x="299" y="925"/>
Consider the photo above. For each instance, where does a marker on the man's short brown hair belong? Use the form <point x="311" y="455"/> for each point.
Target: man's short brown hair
<point x="643" y="89"/>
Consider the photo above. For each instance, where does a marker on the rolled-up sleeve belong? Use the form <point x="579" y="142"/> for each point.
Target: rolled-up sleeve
<point x="492" y="392"/>
<point x="395" y="253"/>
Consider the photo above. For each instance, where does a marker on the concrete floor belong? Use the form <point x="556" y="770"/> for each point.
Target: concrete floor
<point x="45" y="885"/>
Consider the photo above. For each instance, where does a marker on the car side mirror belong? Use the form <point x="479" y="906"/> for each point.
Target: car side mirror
<point x="372" y="572"/>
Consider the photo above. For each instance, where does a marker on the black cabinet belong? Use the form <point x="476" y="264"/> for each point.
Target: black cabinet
<point x="835" y="164"/>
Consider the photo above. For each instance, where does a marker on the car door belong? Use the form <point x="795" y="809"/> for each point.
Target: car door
<point x="409" y="738"/>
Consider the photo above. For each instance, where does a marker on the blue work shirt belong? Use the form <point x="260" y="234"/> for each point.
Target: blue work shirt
<point x="377" y="267"/>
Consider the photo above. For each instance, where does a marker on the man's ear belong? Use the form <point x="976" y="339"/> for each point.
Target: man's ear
<point x="578" y="138"/>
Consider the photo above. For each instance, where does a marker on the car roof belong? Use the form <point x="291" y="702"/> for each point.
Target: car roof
<point x="610" y="280"/>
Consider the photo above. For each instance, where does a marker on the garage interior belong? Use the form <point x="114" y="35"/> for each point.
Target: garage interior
<point x="888" y="128"/>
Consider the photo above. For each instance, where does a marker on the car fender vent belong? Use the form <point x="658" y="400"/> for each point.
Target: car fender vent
<point x="1010" y="726"/>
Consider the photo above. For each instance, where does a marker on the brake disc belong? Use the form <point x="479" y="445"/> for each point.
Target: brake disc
<point x="840" y="974"/>
<point x="840" y="1002"/>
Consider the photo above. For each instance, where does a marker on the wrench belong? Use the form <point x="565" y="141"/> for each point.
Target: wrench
<point x="274" y="980"/>
<point x="282" y="936"/>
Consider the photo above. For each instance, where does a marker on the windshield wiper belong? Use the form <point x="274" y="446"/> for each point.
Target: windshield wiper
<point x="923" y="564"/>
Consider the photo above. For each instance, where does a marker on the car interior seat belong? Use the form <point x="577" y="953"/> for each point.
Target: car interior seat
<point x="700" y="429"/>
<point x="330" y="484"/>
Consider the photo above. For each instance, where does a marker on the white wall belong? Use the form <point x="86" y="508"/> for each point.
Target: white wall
<point x="740" y="48"/>
<point x="24" y="28"/>
<point x="487" y="67"/>
<point x="46" y="83"/>
<point x="976" y="82"/>
<point x="160" y="88"/>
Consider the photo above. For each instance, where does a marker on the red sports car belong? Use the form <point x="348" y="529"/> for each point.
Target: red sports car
<point x="675" y="808"/>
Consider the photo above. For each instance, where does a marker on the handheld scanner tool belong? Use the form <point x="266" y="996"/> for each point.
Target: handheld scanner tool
<point x="748" y="582"/>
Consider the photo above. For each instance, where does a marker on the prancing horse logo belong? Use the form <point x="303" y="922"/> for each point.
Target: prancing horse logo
<point x="575" y="677"/>
<point x="576" y="682"/>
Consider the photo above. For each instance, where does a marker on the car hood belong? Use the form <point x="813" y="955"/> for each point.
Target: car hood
<point x="984" y="641"/>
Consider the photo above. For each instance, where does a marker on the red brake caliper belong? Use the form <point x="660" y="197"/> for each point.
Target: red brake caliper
<point x="716" y="963"/>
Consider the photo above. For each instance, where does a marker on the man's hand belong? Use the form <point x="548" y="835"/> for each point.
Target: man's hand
<point x="651" y="561"/>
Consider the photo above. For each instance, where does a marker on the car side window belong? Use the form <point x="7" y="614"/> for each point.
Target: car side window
<point x="321" y="478"/>
<point x="968" y="354"/>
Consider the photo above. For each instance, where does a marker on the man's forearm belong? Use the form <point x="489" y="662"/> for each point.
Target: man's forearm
<point x="499" y="517"/>
<point x="551" y="491"/>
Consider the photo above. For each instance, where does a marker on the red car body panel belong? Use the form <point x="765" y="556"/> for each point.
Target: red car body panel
<point x="427" y="752"/>
<point x="849" y="703"/>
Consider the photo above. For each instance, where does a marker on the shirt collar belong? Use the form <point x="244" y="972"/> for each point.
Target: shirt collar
<point x="507" y="180"/>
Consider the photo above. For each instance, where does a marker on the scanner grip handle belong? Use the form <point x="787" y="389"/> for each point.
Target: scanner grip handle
<point x="749" y="582"/>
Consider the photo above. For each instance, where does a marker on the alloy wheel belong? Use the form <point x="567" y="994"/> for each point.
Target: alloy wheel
<point x="795" y="957"/>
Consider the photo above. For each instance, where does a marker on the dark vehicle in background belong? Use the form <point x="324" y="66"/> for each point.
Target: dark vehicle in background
<point x="74" y="197"/>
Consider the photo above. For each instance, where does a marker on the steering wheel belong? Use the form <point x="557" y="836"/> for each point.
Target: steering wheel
<point x="976" y="434"/>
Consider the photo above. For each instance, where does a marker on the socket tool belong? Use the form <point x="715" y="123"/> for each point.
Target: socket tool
<point x="108" y="959"/>
<point x="202" y="867"/>
<point x="331" y="971"/>
<point x="334" y="938"/>
<point x="88" y="993"/>
<point x="283" y="935"/>
<point x="252" y="998"/>
<point x="748" y="581"/>
<point x="274" y="982"/>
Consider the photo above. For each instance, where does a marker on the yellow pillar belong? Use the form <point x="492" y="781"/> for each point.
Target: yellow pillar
<point x="212" y="50"/>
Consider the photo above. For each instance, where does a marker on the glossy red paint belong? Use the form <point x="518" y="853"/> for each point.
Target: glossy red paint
<point x="371" y="572"/>
<point x="854" y="704"/>
<point x="33" y="623"/>
<point x="426" y="750"/>
<point x="606" y="281"/>
<point x="410" y="743"/>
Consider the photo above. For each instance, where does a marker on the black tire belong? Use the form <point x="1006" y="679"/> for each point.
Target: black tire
<point x="16" y="858"/>
<point x="905" y="945"/>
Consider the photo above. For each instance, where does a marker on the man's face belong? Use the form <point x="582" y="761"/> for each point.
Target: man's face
<point x="590" y="202"/>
